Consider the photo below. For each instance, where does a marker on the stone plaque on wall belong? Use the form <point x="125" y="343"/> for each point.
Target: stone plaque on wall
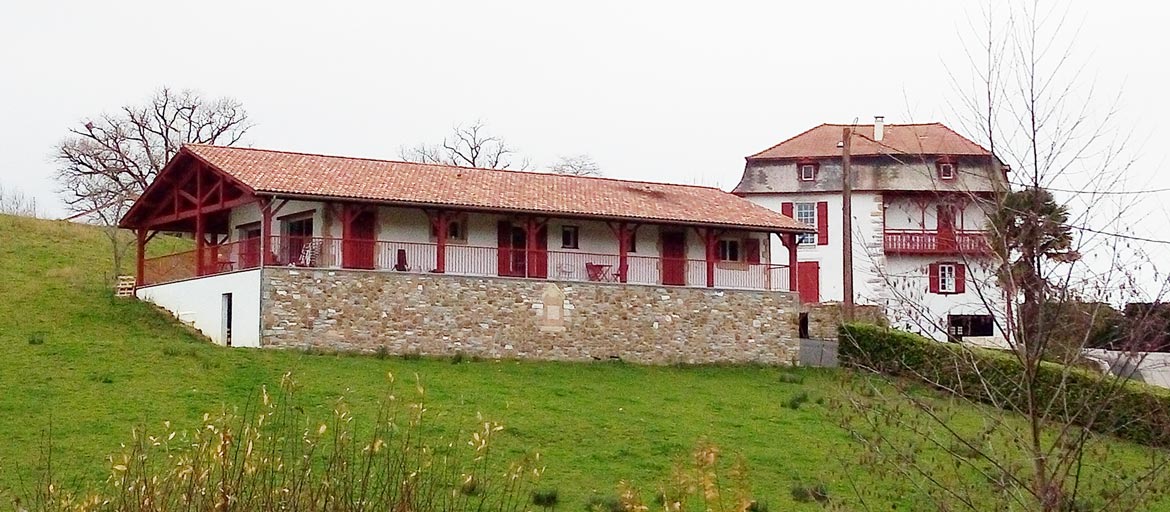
<point x="552" y="313"/>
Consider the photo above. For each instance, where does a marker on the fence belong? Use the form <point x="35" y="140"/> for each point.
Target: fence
<point x="466" y="260"/>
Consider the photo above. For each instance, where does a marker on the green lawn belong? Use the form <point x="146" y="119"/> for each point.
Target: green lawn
<point x="106" y="365"/>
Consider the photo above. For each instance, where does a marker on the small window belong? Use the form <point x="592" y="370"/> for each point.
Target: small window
<point x="806" y="213"/>
<point x="946" y="171"/>
<point x="946" y="278"/>
<point x="808" y="172"/>
<point x="569" y="237"/>
<point x="456" y="229"/>
<point x="729" y="250"/>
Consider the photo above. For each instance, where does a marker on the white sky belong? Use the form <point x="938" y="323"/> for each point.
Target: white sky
<point x="663" y="91"/>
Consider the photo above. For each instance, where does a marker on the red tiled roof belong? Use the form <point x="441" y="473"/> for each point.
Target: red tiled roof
<point x="904" y="139"/>
<point x="279" y="172"/>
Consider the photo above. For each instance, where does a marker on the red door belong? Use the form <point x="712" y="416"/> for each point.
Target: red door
<point x="359" y="234"/>
<point x="946" y="228"/>
<point x="808" y="281"/>
<point x="538" y="256"/>
<point x="674" y="258"/>
<point x="504" y="248"/>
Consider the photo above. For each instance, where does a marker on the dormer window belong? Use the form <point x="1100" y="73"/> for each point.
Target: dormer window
<point x="947" y="169"/>
<point x="807" y="170"/>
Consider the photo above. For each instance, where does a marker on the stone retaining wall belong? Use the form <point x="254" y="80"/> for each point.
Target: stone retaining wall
<point x="352" y="310"/>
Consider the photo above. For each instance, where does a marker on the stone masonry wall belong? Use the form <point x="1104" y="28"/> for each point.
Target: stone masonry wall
<point x="824" y="318"/>
<point x="351" y="310"/>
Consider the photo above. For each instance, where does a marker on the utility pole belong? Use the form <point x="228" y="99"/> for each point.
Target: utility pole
<point x="846" y="228"/>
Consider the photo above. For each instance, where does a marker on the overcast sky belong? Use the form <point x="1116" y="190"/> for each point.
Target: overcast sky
<point x="663" y="91"/>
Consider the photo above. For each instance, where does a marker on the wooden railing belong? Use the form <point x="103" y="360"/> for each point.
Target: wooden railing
<point x="931" y="242"/>
<point x="466" y="260"/>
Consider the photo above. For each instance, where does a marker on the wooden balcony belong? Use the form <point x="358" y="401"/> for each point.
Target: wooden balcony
<point x="932" y="242"/>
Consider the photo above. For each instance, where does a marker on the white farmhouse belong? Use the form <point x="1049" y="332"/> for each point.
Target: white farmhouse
<point x="920" y="194"/>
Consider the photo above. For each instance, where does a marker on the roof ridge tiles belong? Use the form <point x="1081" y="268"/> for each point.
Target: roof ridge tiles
<point x="450" y="166"/>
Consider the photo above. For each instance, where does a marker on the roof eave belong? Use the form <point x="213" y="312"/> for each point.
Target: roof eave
<point x="559" y="214"/>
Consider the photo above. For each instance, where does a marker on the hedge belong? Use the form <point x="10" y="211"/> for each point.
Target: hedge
<point x="1103" y="404"/>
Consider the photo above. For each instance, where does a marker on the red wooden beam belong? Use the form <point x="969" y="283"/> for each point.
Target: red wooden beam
<point x="140" y="266"/>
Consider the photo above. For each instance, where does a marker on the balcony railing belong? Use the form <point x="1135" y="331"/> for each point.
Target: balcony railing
<point x="932" y="242"/>
<point x="465" y="260"/>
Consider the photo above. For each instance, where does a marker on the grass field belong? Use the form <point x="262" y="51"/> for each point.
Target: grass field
<point x="93" y="367"/>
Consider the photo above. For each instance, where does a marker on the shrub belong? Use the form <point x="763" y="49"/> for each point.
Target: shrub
<point x="608" y="503"/>
<point x="546" y="498"/>
<point x="382" y="352"/>
<point x="36" y="338"/>
<point x="817" y="492"/>
<point x="795" y="402"/>
<point x="1127" y="410"/>
<point x="790" y="378"/>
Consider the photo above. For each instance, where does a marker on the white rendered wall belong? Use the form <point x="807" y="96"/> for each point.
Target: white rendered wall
<point x="867" y="259"/>
<point x="597" y="243"/>
<point x="912" y="307"/>
<point x="200" y="301"/>
<point x="898" y="282"/>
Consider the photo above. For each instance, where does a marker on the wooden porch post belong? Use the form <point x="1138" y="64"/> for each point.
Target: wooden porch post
<point x="789" y="240"/>
<point x="266" y="232"/>
<point x="711" y="241"/>
<point x="140" y="267"/>
<point x="529" y="245"/>
<point x="441" y="219"/>
<point x="623" y="252"/>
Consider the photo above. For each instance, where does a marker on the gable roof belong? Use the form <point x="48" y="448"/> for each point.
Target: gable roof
<point x="905" y="139"/>
<point x="269" y="172"/>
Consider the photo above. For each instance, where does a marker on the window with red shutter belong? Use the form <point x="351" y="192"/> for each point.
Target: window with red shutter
<point x="960" y="278"/>
<point x="822" y="223"/>
<point x="932" y="271"/>
<point x="751" y="249"/>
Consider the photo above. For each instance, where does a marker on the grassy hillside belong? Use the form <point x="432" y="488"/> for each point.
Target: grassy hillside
<point x="92" y="367"/>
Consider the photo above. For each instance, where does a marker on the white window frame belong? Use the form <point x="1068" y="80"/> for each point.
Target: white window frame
<point x="946" y="171"/>
<point x="806" y="238"/>
<point x="947" y="278"/>
<point x="812" y="172"/>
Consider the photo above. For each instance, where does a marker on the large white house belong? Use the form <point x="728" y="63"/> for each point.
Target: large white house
<point x="920" y="194"/>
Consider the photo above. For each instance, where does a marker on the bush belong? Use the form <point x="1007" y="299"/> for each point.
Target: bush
<point x="817" y="492"/>
<point x="546" y="498"/>
<point x="604" y="504"/>
<point x="790" y="378"/>
<point x="36" y="338"/>
<point x="795" y="402"/>
<point x="1127" y="410"/>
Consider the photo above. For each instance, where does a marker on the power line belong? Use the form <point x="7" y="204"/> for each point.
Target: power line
<point x="1100" y="192"/>
<point x="1121" y="235"/>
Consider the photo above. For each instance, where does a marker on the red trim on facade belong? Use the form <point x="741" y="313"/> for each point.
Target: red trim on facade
<point x="822" y="223"/>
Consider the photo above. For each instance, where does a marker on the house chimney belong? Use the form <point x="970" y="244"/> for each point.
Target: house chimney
<point x="879" y="127"/>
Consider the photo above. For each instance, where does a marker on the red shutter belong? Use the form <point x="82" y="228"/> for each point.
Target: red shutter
<point x="786" y="209"/>
<point x="822" y="223"/>
<point x="751" y="248"/>
<point x="504" y="244"/>
<point x="960" y="278"/>
<point x="933" y="277"/>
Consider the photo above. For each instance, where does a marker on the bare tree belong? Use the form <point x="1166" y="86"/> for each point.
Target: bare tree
<point x="578" y="165"/>
<point x="15" y="202"/>
<point x="1044" y="445"/>
<point x="469" y="145"/>
<point x="105" y="163"/>
<point x="114" y="157"/>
